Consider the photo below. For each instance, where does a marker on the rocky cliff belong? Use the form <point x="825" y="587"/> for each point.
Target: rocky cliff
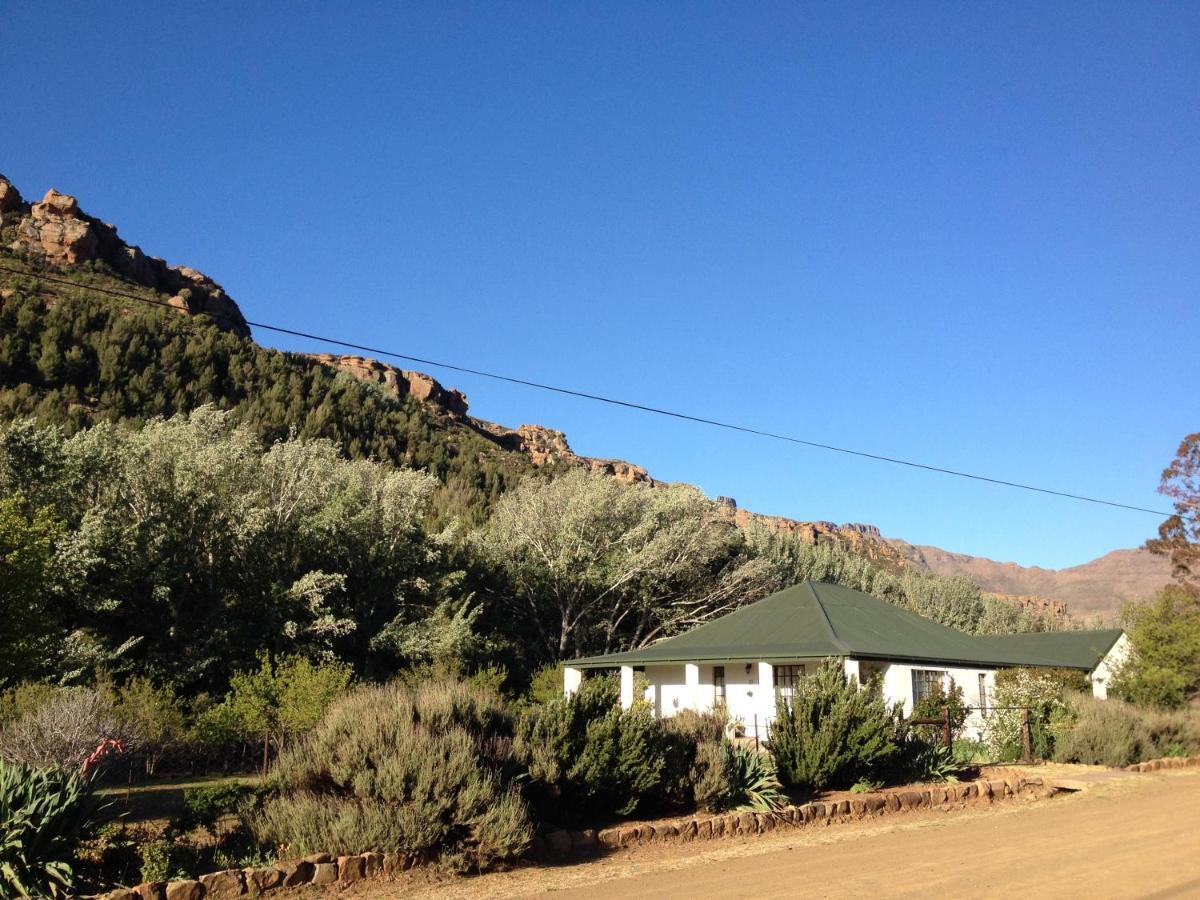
<point x="57" y="232"/>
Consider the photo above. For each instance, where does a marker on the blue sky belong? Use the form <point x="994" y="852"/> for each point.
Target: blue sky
<point x="959" y="233"/>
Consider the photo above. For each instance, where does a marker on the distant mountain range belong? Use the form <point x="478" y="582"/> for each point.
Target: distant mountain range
<point x="1096" y="588"/>
<point x="474" y="456"/>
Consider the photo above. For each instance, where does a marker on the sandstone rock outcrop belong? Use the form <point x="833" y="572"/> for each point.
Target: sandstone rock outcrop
<point x="400" y="382"/>
<point x="543" y="446"/>
<point x="57" y="231"/>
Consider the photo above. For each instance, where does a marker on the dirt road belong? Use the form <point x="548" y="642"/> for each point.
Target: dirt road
<point x="1137" y="836"/>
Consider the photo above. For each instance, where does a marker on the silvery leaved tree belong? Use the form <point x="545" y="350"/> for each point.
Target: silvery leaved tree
<point x="592" y="565"/>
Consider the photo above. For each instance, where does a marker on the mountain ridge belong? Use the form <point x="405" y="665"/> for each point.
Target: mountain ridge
<point x="57" y="233"/>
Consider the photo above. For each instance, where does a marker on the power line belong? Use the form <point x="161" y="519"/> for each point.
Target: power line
<point x="627" y="404"/>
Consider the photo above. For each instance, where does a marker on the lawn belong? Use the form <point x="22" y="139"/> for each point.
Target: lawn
<point x="161" y="799"/>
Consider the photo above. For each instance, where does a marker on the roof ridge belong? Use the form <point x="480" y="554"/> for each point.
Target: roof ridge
<point x="833" y="635"/>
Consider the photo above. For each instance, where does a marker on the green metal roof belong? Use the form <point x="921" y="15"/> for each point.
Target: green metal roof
<point x="1067" y="649"/>
<point x="812" y="619"/>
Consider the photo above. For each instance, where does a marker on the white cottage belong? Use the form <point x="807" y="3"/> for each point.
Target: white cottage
<point x="749" y="657"/>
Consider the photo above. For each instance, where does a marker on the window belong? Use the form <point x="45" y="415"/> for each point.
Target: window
<point x="983" y="693"/>
<point x="786" y="679"/>
<point x="926" y="682"/>
<point x="719" y="683"/>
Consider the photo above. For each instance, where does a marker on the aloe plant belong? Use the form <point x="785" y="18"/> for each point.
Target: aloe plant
<point x="753" y="784"/>
<point x="43" y="815"/>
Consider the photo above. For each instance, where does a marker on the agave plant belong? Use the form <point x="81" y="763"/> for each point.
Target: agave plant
<point x="751" y="778"/>
<point x="934" y="762"/>
<point x="43" y="815"/>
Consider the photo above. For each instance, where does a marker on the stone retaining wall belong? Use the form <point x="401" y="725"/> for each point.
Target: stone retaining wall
<point x="1000" y="786"/>
<point x="323" y="869"/>
<point x="1170" y="762"/>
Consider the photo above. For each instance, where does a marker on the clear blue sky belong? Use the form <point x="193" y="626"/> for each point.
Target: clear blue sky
<point x="961" y="233"/>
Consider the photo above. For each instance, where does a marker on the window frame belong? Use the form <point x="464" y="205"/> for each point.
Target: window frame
<point x="785" y="678"/>
<point x="921" y="683"/>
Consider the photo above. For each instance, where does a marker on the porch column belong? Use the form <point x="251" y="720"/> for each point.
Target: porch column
<point x="852" y="670"/>
<point x="571" y="680"/>
<point x="626" y="687"/>
<point x="691" y="680"/>
<point x="766" y="681"/>
<point x="766" y="699"/>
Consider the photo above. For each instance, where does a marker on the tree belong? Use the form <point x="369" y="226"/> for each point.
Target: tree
<point x="27" y="543"/>
<point x="278" y="701"/>
<point x="1179" y="536"/>
<point x="155" y="715"/>
<point x="592" y="564"/>
<point x="226" y="547"/>
<point x="1164" y="666"/>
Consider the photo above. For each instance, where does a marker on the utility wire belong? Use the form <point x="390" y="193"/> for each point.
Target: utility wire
<point x="627" y="404"/>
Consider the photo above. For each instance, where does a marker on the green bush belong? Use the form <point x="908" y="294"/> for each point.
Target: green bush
<point x="969" y="751"/>
<point x="832" y="733"/>
<point x="686" y="733"/>
<point x="204" y="807"/>
<point x="547" y="684"/>
<point x="1113" y="733"/>
<point x="709" y="777"/>
<point x="156" y="859"/>
<point x="1039" y="690"/>
<point x="44" y="814"/>
<point x="419" y="767"/>
<point x="930" y="707"/>
<point x="586" y="757"/>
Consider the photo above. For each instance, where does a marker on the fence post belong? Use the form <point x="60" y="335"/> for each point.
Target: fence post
<point x="946" y="736"/>
<point x="1026" y="737"/>
<point x="756" y="732"/>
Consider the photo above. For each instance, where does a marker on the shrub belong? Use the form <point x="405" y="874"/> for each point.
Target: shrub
<point x="832" y="732"/>
<point x="44" y="814"/>
<point x="1106" y="733"/>
<point x="1164" y="666"/>
<point x="1113" y="733"/>
<point x="547" y="684"/>
<point x="969" y="751"/>
<point x="23" y="699"/>
<point x="930" y="707"/>
<point x="686" y="733"/>
<point x="62" y="731"/>
<point x="1040" y="690"/>
<point x="588" y="757"/>
<point x="156" y="859"/>
<point x="286" y="698"/>
<point x="709" y="777"/>
<point x="865" y="786"/>
<point x="204" y="807"/>
<point x="420" y="767"/>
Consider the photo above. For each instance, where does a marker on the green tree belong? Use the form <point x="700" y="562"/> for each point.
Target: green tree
<point x="284" y="699"/>
<point x="1179" y="536"/>
<point x="1163" y="668"/>
<point x="27" y="550"/>
<point x="155" y="714"/>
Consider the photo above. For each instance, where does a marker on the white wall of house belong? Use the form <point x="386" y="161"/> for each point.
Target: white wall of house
<point x="1108" y="667"/>
<point x="750" y="687"/>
